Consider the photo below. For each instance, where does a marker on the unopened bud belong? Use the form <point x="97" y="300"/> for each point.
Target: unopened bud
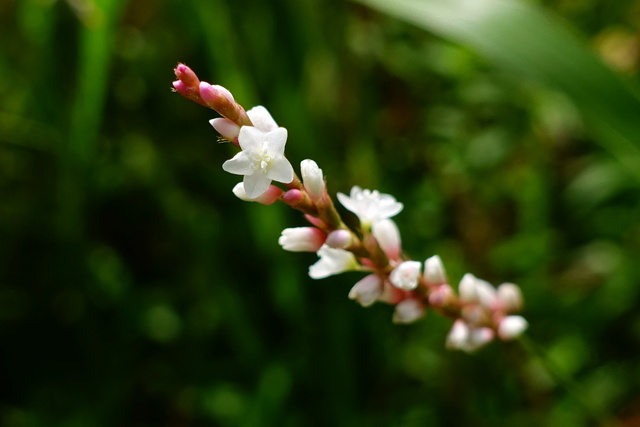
<point x="511" y="327"/>
<point x="340" y="239"/>
<point x="270" y="196"/>
<point x="313" y="180"/>
<point x="388" y="236"/>
<point x="510" y="297"/>
<point x="226" y="128"/>
<point x="302" y="239"/>
<point x="434" y="271"/>
<point x="408" y="311"/>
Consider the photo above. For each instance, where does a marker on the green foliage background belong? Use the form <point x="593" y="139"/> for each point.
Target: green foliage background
<point x="135" y="289"/>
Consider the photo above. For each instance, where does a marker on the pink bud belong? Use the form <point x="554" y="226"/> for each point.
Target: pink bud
<point x="339" y="239"/>
<point x="441" y="296"/>
<point x="186" y="75"/>
<point x="367" y="290"/>
<point x="302" y="239"/>
<point x="316" y="221"/>
<point x="293" y="197"/>
<point x="270" y="196"/>
<point x="226" y="128"/>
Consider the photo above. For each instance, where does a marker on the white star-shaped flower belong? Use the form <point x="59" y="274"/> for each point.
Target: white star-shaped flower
<point x="370" y="206"/>
<point x="261" y="159"/>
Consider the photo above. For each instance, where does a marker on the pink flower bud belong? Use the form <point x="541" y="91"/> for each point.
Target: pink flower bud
<point x="367" y="290"/>
<point x="302" y="239"/>
<point x="316" y="221"/>
<point x="408" y="311"/>
<point x="388" y="236"/>
<point x="293" y="197"/>
<point x="270" y="196"/>
<point x="511" y="327"/>
<point x="441" y="296"/>
<point x="339" y="239"/>
<point x="466" y="338"/>
<point x="226" y="128"/>
<point x="220" y="99"/>
<point x="186" y="75"/>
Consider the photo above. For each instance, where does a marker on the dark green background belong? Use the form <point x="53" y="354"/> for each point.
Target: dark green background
<point x="136" y="290"/>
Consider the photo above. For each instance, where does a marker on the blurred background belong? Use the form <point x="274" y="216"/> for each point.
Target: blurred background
<point x="136" y="290"/>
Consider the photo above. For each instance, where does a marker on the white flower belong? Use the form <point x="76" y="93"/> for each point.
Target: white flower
<point x="512" y="327"/>
<point x="370" y="206"/>
<point x="302" y="239"/>
<point x="408" y="311"/>
<point x="312" y="179"/>
<point x="261" y="159"/>
<point x="405" y="276"/>
<point x="367" y="290"/>
<point x="434" y="271"/>
<point x="388" y="236"/>
<point x="332" y="261"/>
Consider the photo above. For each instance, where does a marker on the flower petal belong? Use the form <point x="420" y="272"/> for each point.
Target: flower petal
<point x="261" y="119"/>
<point x="281" y="170"/>
<point x="240" y="164"/>
<point x="250" y="138"/>
<point x="276" y="140"/>
<point x="255" y="185"/>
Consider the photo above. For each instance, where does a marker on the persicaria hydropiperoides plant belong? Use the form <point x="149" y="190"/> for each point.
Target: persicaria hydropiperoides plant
<point x="480" y="312"/>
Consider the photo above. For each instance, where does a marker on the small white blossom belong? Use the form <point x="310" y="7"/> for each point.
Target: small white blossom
<point x="332" y="261"/>
<point x="261" y="160"/>
<point x="370" y="206"/>
<point x="405" y="276"/>
<point x="302" y="239"/>
<point x="367" y="290"/>
<point x="510" y="297"/>
<point x="512" y="327"/>
<point x="466" y="338"/>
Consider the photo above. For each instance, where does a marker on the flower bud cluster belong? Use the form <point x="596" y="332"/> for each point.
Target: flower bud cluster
<point x="479" y="311"/>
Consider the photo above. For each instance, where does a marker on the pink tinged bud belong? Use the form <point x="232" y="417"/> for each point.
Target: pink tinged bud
<point x="509" y="297"/>
<point x="220" y="99"/>
<point x="434" y="271"/>
<point x="293" y="197"/>
<point x="226" y="128"/>
<point x="406" y="275"/>
<point x="465" y="338"/>
<point x="313" y="180"/>
<point x="302" y="239"/>
<point x="408" y="311"/>
<point x="186" y="75"/>
<point x="181" y="87"/>
<point x="314" y="220"/>
<point x="474" y="290"/>
<point x="511" y="327"/>
<point x="367" y="290"/>
<point x="391" y="294"/>
<point x="339" y="239"/>
<point x="271" y="195"/>
<point x="441" y="296"/>
<point x="388" y="236"/>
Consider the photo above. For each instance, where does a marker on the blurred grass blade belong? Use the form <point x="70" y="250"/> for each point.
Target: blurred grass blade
<point x="525" y="41"/>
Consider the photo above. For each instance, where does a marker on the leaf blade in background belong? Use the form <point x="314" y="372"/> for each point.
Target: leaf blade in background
<point x="522" y="39"/>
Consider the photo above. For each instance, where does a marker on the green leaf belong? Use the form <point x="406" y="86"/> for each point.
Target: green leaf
<point x="527" y="42"/>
